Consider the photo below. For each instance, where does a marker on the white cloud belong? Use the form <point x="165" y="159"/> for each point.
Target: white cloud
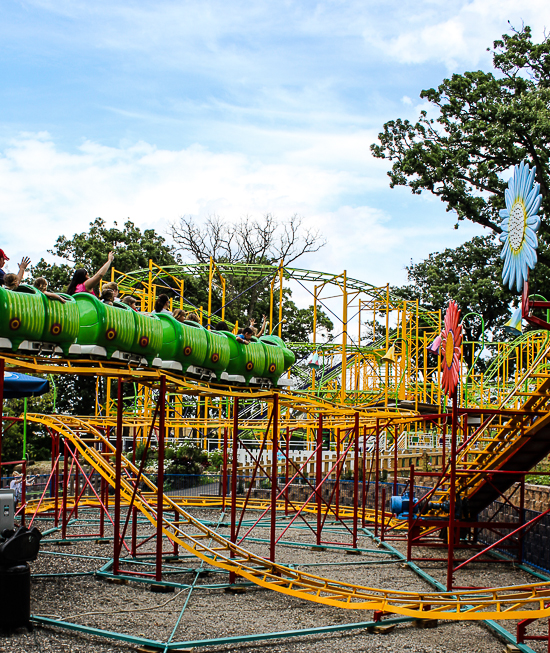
<point x="456" y="33"/>
<point x="214" y="37"/>
<point x="46" y="192"/>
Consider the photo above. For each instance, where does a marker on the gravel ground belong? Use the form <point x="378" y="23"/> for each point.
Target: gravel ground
<point x="211" y="612"/>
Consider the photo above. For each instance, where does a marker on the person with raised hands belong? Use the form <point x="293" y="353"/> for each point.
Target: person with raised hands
<point x="82" y="282"/>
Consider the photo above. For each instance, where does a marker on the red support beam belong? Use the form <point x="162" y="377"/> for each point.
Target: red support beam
<point x="76" y="486"/>
<point x="2" y="368"/>
<point x="65" y="490"/>
<point x="133" y="543"/>
<point x="56" y="478"/>
<point x="355" y="479"/>
<point x="452" y="495"/>
<point x="224" y="469"/>
<point x="337" y="493"/>
<point x="233" y="534"/>
<point x="383" y="513"/>
<point x="376" y="477"/>
<point x="274" y="475"/>
<point x="318" y="477"/>
<point x="395" y="460"/>
<point x="160" y="477"/>
<point x="103" y="493"/>
<point x="287" y="463"/>
<point x="117" y="544"/>
<point x="411" y="514"/>
<point x="364" y="476"/>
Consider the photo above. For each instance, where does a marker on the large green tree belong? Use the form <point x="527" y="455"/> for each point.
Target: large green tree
<point x="132" y="247"/>
<point x="480" y="125"/>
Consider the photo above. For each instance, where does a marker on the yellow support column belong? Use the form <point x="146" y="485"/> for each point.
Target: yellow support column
<point x="387" y="343"/>
<point x="344" y="340"/>
<point x="272" y="286"/>
<point x="280" y="297"/>
<point x="210" y="291"/>
<point x="314" y="331"/>
<point x="150" y="288"/>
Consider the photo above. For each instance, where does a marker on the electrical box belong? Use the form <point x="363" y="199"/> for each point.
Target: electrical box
<point x="7" y="509"/>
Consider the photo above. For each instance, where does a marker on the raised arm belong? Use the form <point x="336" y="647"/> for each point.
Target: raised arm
<point x="22" y="267"/>
<point x="262" y="329"/>
<point x="93" y="281"/>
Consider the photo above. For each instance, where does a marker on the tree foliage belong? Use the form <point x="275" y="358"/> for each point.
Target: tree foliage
<point x="132" y="247"/>
<point x="480" y="124"/>
<point x="485" y="123"/>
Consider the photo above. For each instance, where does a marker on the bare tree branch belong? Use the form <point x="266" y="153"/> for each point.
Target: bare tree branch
<point x="266" y="240"/>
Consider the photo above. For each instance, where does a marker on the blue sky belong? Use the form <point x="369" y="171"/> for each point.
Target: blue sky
<point x="153" y="110"/>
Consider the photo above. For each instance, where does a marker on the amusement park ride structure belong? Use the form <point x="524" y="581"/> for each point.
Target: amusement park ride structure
<point x="482" y="409"/>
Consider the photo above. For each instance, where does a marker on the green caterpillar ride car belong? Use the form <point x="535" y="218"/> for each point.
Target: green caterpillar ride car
<point x="31" y="323"/>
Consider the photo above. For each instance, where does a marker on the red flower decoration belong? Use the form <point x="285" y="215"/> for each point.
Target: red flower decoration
<point x="451" y="340"/>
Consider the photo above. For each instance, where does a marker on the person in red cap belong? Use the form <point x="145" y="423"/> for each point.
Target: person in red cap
<point x="3" y="259"/>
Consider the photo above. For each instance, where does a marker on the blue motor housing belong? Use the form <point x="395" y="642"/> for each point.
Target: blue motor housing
<point x="400" y="506"/>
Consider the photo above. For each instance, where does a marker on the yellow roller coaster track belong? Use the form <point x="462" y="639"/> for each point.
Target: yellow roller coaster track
<point x="519" y="602"/>
<point x="344" y="512"/>
<point x="191" y="386"/>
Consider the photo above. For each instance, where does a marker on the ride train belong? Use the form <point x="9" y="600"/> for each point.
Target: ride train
<point x="31" y="323"/>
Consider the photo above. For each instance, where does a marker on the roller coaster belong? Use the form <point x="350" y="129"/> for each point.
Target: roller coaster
<point x="389" y="385"/>
<point x="82" y="325"/>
